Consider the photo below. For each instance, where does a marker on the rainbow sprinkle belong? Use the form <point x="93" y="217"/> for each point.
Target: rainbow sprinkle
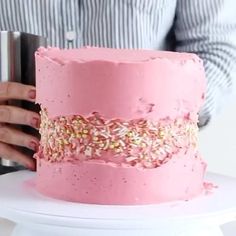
<point x="137" y="142"/>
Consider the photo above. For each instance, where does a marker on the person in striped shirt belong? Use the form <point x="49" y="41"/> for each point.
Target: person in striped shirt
<point x="206" y="27"/>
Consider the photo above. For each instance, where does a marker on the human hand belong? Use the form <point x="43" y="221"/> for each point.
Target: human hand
<point x="10" y="137"/>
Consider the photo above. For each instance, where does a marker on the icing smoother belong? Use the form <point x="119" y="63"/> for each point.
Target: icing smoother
<point x="98" y="182"/>
<point x="119" y="83"/>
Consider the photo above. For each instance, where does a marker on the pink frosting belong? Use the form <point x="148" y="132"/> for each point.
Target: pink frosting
<point x="119" y="83"/>
<point x="99" y="182"/>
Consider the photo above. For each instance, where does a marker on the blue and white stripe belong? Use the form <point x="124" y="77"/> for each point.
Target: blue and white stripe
<point x="205" y="27"/>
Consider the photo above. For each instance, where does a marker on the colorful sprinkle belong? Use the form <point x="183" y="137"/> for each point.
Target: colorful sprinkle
<point x="139" y="142"/>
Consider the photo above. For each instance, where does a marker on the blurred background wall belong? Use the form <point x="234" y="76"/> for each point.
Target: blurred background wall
<point x="218" y="141"/>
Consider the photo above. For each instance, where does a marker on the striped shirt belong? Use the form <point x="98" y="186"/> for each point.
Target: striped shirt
<point x="204" y="27"/>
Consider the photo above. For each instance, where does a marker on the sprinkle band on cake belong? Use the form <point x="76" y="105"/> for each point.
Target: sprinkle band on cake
<point x="139" y="142"/>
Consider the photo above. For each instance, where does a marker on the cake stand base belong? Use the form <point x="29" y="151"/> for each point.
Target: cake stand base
<point x="38" y="215"/>
<point x="38" y="230"/>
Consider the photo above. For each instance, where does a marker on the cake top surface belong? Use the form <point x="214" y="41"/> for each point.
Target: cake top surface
<point x="87" y="54"/>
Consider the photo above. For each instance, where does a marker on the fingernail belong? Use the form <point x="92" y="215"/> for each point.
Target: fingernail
<point x="35" y="122"/>
<point x="32" y="94"/>
<point x="31" y="166"/>
<point x="33" y="146"/>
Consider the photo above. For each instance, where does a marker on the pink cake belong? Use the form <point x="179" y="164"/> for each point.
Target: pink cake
<point x="119" y="126"/>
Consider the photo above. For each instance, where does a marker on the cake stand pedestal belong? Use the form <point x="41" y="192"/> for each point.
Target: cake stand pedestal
<point x="38" y="215"/>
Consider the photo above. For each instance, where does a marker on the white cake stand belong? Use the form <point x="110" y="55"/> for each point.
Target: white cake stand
<point x="36" y="215"/>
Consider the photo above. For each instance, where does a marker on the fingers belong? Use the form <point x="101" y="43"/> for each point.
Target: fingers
<point x="12" y="90"/>
<point x="16" y="115"/>
<point x="9" y="153"/>
<point x="16" y="137"/>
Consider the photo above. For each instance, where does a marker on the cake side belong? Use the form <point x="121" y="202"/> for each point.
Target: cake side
<point x="132" y="120"/>
<point x="100" y="182"/>
<point x="155" y="88"/>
